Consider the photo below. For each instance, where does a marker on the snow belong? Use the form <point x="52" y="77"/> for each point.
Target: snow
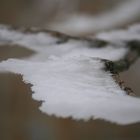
<point x="45" y="44"/>
<point x="79" y="24"/>
<point x="33" y="41"/>
<point x="70" y="77"/>
<point x="132" y="33"/>
<point x="77" y="88"/>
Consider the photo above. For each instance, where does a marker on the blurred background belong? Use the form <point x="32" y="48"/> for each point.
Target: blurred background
<point x="20" y="118"/>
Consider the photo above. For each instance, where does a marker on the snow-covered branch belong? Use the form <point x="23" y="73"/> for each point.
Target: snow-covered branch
<point x="83" y="24"/>
<point x="77" y="77"/>
<point x="122" y="45"/>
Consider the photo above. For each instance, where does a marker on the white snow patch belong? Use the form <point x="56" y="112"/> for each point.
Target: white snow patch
<point x="33" y="41"/>
<point x="45" y="45"/>
<point x="77" y="88"/>
<point x="132" y="33"/>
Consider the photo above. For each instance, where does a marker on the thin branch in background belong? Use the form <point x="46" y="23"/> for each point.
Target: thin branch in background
<point x="83" y="24"/>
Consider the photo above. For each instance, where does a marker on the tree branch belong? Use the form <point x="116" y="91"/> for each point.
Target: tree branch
<point x="133" y="45"/>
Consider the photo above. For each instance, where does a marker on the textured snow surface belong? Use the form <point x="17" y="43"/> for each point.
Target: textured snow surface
<point x="68" y="77"/>
<point x="46" y="45"/>
<point x="77" y="88"/>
